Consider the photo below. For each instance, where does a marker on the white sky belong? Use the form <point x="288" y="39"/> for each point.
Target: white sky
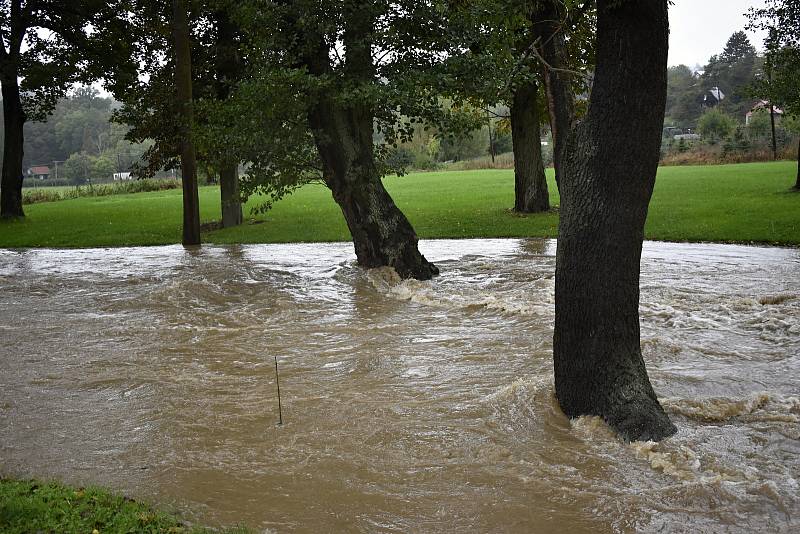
<point x="700" y="28"/>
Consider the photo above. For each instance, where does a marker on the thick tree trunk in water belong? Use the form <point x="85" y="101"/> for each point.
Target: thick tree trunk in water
<point x="13" y="122"/>
<point x="530" y="184"/>
<point x="183" y="85"/>
<point x="609" y="174"/>
<point x="382" y="235"/>
<point x="229" y="195"/>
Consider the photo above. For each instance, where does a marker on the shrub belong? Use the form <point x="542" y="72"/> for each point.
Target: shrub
<point x="715" y="125"/>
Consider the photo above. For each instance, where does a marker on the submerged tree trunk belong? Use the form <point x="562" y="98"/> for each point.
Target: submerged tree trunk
<point x="13" y="122"/>
<point x="228" y="66"/>
<point x="183" y="86"/>
<point x="530" y="184"/>
<point x="342" y="131"/>
<point x="609" y="173"/>
<point x="382" y="235"/>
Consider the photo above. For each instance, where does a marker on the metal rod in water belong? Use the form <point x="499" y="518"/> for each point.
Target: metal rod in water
<point x="277" y="383"/>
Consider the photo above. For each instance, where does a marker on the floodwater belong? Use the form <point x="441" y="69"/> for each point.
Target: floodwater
<point x="407" y="406"/>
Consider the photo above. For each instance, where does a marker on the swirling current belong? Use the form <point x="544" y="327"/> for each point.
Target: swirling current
<point x="408" y="406"/>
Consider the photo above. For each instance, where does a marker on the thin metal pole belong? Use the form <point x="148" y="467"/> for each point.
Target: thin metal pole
<point x="277" y="383"/>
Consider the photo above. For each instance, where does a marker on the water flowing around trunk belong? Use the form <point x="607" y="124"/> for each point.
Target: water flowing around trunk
<point x="408" y="405"/>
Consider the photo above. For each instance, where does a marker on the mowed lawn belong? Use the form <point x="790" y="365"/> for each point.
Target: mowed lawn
<point x="726" y="203"/>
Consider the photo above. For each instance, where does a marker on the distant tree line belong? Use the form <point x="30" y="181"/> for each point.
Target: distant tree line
<point x="79" y="141"/>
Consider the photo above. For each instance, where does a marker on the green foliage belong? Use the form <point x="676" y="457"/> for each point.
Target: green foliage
<point x="77" y="168"/>
<point x="759" y="124"/>
<point x="737" y="142"/>
<point x="30" y="506"/>
<point x="781" y="85"/>
<point x="683" y="100"/>
<point x="715" y="125"/>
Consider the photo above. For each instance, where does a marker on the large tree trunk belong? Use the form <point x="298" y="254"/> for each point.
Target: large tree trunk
<point x="229" y="195"/>
<point x="609" y="173"/>
<point x="13" y="122"/>
<point x="183" y="86"/>
<point x="342" y="131"/>
<point x="228" y="67"/>
<point x="382" y="235"/>
<point x="530" y="183"/>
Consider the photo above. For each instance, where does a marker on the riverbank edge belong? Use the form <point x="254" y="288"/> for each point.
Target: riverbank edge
<point x="763" y="244"/>
<point x="30" y="505"/>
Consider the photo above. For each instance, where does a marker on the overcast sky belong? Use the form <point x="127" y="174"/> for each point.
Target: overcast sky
<point x="700" y="28"/>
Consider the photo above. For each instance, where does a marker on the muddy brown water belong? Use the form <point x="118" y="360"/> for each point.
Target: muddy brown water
<point x="408" y="406"/>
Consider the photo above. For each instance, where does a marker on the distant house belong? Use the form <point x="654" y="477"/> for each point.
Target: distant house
<point x="762" y="105"/>
<point x="39" y="172"/>
<point x="712" y="97"/>
<point x="122" y="176"/>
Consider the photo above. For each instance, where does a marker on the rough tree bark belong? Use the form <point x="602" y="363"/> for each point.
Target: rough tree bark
<point x="229" y="194"/>
<point x="183" y="86"/>
<point x="610" y="164"/>
<point x="530" y="184"/>
<point x="13" y="122"/>
<point x="382" y="235"/>
<point x="228" y="67"/>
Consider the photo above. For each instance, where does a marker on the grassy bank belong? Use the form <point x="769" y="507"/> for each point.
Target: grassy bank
<point x="726" y="203"/>
<point x="31" y="506"/>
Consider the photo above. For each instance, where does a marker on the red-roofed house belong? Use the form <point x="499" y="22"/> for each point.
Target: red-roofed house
<point x="40" y="172"/>
<point x="762" y="105"/>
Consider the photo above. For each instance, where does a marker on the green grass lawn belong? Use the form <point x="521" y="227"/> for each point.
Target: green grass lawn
<point x="31" y="506"/>
<point x="727" y="203"/>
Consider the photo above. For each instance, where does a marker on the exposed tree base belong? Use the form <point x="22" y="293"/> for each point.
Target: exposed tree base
<point x="382" y="236"/>
<point x="640" y="418"/>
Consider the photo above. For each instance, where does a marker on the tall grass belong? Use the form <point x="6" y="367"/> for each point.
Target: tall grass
<point x="501" y="161"/>
<point x="36" y="196"/>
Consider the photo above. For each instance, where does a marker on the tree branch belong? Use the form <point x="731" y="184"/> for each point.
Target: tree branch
<point x="535" y="50"/>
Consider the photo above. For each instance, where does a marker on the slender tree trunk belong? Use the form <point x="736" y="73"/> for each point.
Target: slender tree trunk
<point x="229" y="195"/>
<point x="13" y="122"/>
<point x="183" y="85"/>
<point x="530" y="184"/>
<point x="609" y="174"/>
<point x="228" y="72"/>
<point x="557" y="84"/>
<point x="797" y="182"/>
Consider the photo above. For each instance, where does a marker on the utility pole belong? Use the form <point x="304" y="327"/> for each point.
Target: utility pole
<point x="56" y="162"/>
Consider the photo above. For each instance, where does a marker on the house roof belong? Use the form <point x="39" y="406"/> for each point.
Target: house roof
<point x="763" y="104"/>
<point x="39" y="169"/>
